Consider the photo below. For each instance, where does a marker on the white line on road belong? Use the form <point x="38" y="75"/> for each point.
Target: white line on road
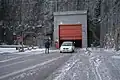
<point x="29" y="68"/>
<point x="16" y="63"/>
<point x="16" y="58"/>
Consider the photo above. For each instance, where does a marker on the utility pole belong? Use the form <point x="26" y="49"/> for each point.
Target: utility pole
<point x="21" y="24"/>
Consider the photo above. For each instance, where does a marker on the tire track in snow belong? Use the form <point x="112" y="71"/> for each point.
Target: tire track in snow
<point x="65" y="70"/>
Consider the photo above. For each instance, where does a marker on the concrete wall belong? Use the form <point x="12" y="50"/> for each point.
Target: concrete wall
<point x="71" y="17"/>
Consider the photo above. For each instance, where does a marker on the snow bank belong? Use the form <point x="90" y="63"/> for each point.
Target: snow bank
<point x="116" y="57"/>
<point x="36" y="51"/>
<point x="8" y="50"/>
<point x="111" y="49"/>
<point x="117" y="52"/>
<point x="33" y="51"/>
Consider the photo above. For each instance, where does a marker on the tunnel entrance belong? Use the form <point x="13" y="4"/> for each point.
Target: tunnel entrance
<point x="70" y="32"/>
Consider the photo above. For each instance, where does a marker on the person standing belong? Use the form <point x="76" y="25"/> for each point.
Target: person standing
<point x="47" y="46"/>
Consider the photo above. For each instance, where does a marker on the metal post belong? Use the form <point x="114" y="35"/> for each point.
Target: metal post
<point x="22" y="43"/>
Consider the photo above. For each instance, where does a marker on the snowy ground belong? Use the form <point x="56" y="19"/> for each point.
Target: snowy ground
<point x="34" y="65"/>
<point x="97" y="64"/>
<point x="94" y="64"/>
<point x="14" y="51"/>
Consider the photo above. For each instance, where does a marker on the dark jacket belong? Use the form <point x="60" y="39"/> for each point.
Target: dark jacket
<point x="47" y="44"/>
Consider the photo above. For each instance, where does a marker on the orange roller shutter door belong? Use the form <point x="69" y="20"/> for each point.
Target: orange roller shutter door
<point x="70" y="32"/>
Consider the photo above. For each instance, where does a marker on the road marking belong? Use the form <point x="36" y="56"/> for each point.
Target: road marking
<point x="16" y="63"/>
<point x="16" y="58"/>
<point x="29" y="68"/>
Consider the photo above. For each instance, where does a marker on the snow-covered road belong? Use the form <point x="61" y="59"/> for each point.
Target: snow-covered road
<point x="30" y="65"/>
<point x="95" y="65"/>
